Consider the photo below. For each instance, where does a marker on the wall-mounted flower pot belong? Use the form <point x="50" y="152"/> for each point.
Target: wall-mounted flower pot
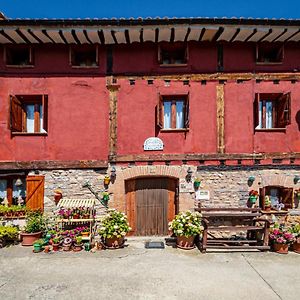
<point x="197" y="184"/>
<point x="106" y="180"/>
<point x="252" y="199"/>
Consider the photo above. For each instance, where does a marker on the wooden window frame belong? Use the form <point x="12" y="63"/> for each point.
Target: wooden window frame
<point x="19" y="47"/>
<point x="160" y="112"/>
<point x="281" y="113"/>
<point x="17" y="114"/>
<point x="173" y="48"/>
<point x="260" y="47"/>
<point x="74" y="48"/>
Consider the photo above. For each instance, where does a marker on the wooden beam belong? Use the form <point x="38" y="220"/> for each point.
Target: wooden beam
<point x="53" y="164"/>
<point x="204" y="156"/>
<point x="218" y="76"/>
<point x="113" y="91"/>
<point x="220" y="119"/>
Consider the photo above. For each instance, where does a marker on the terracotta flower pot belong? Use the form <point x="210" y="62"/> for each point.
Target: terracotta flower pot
<point x="296" y="247"/>
<point x="55" y="247"/>
<point x="267" y="208"/>
<point x="114" y="242"/>
<point x="47" y="249"/>
<point x="57" y="197"/>
<point x="184" y="242"/>
<point x="281" y="248"/>
<point x="77" y="247"/>
<point x="28" y="239"/>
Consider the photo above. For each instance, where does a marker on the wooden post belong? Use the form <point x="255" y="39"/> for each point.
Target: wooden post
<point x="113" y="89"/>
<point x="220" y="119"/>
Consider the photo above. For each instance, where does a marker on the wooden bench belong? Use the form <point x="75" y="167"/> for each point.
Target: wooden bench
<point x="246" y="220"/>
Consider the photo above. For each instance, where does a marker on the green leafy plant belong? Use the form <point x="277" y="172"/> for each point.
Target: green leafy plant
<point x="35" y="222"/>
<point x="187" y="224"/>
<point x="56" y="240"/>
<point x="9" y="233"/>
<point x="295" y="231"/>
<point x="267" y="201"/>
<point x="114" y="224"/>
<point x="78" y="240"/>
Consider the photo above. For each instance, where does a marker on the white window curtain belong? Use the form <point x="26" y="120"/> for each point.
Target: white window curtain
<point x="269" y="114"/>
<point x="30" y="118"/>
<point x="167" y="114"/>
<point x="259" y="126"/>
<point x="3" y="189"/>
<point x="179" y="114"/>
<point x="41" y="119"/>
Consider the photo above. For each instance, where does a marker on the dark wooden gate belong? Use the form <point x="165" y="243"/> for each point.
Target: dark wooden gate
<point x="151" y="205"/>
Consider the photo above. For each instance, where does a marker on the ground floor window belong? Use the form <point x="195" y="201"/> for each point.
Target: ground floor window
<point x="280" y="197"/>
<point x="12" y="190"/>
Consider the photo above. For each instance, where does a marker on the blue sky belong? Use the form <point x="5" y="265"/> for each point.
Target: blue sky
<point x="289" y="9"/>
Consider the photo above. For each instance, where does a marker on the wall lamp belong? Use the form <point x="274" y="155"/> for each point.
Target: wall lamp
<point x="251" y="179"/>
<point x="189" y="174"/>
<point x="296" y="179"/>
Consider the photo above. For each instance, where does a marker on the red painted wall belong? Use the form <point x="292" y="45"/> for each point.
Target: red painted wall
<point x="77" y="119"/>
<point x="136" y="117"/>
<point x="239" y="126"/>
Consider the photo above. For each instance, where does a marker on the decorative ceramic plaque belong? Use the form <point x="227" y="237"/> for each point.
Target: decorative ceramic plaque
<point x="202" y="195"/>
<point x="153" y="143"/>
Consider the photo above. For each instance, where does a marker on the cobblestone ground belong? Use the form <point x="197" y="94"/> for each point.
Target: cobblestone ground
<point x="138" y="273"/>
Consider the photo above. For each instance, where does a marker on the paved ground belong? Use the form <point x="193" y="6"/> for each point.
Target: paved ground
<point x="138" y="273"/>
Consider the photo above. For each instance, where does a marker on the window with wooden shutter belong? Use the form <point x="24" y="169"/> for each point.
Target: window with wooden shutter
<point x="29" y="114"/>
<point x="269" y="53"/>
<point x="159" y="112"/>
<point x="35" y="192"/>
<point x="287" y="197"/>
<point x="187" y="113"/>
<point x="272" y="111"/>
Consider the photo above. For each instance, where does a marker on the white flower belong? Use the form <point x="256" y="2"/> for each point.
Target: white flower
<point x="116" y="227"/>
<point x="115" y="233"/>
<point x="102" y="228"/>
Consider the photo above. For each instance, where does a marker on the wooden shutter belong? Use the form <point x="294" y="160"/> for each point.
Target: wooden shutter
<point x="159" y="112"/>
<point x="130" y="204"/>
<point x="159" y="56"/>
<point x="284" y="110"/>
<point x="15" y="114"/>
<point x="187" y="112"/>
<point x="256" y="111"/>
<point x="45" y="112"/>
<point x="35" y="192"/>
<point x="286" y="195"/>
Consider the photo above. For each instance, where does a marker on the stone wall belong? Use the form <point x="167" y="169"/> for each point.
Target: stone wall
<point x="228" y="186"/>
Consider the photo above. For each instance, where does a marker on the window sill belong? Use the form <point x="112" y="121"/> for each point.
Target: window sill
<point x="270" y="129"/>
<point x="269" y="63"/>
<point x="20" y="66"/>
<point x="85" y="67"/>
<point x="172" y="65"/>
<point x="30" y="134"/>
<point x="175" y="130"/>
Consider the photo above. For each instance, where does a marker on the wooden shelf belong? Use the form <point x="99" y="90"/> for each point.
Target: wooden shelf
<point x="75" y="220"/>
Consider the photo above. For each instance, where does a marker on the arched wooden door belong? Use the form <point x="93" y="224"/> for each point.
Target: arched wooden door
<point x="151" y="203"/>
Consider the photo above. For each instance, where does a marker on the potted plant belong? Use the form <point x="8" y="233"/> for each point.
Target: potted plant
<point x="35" y="225"/>
<point x="77" y="244"/>
<point x="281" y="238"/>
<point x="55" y="243"/>
<point x="267" y="203"/>
<point x="38" y="245"/>
<point x="197" y="182"/>
<point x="113" y="228"/>
<point x="295" y="230"/>
<point x="105" y="196"/>
<point x="85" y="231"/>
<point x="186" y="226"/>
<point x="253" y="195"/>
<point x="67" y="243"/>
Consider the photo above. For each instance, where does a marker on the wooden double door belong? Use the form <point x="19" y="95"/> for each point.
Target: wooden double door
<point x="151" y="203"/>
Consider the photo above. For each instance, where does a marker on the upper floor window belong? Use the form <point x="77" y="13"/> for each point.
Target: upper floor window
<point x="272" y="111"/>
<point x="173" y="112"/>
<point x="269" y="53"/>
<point x="18" y="56"/>
<point x="28" y="114"/>
<point x="84" y="56"/>
<point x="172" y="54"/>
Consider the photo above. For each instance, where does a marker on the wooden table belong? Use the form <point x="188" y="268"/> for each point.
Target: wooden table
<point x="247" y="220"/>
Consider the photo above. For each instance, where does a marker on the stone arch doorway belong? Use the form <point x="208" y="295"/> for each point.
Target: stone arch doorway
<point x="151" y="202"/>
